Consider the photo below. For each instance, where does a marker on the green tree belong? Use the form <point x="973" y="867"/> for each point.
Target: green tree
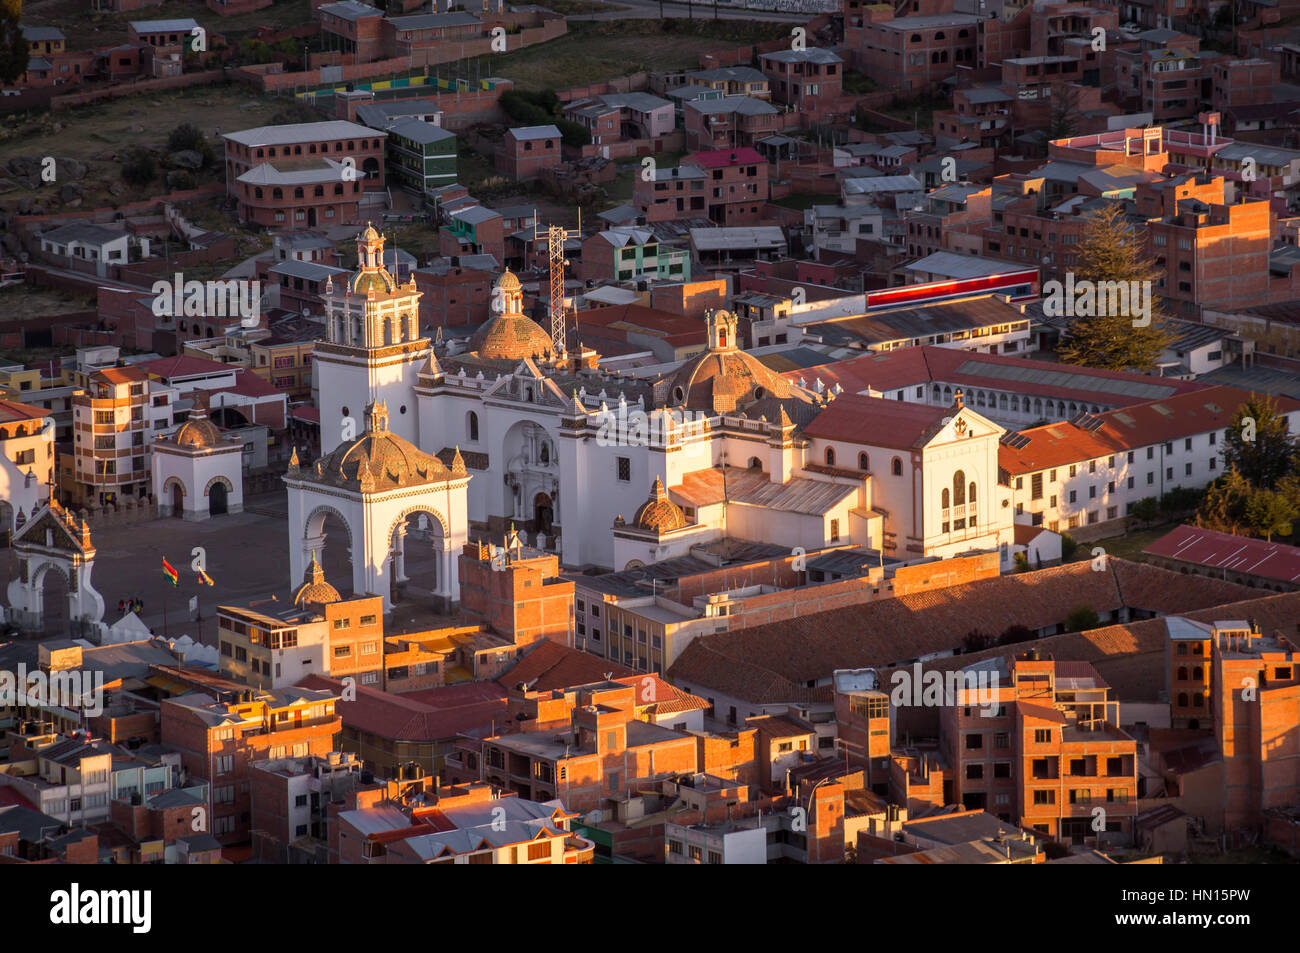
<point x="1258" y="443"/>
<point x="1063" y="120"/>
<point x="1069" y="545"/>
<point x="1022" y="562"/>
<point x="1269" y="512"/>
<point x="1081" y="619"/>
<point x="1111" y="251"/>
<point x="1223" y="507"/>
<point x="1147" y="509"/>
<point x="188" y="136"/>
<point x="1015" y="634"/>
<point x="139" y="167"/>
<point x="14" y="51"/>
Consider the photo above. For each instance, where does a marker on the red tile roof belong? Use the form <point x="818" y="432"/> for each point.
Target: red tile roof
<point x="1130" y="428"/>
<point x="437" y="715"/>
<point x="1224" y="551"/>
<point x="122" y="375"/>
<point x="549" y="665"/>
<point x="12" y="410"/>
<point x="774" y="660"/>
<point x="186" y="366"/>
<point x="878" y="422"/>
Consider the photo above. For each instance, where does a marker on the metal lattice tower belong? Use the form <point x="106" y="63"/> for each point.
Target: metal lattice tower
<point x="555" y="239"/>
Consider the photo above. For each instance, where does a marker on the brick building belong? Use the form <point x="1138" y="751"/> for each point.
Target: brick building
<point x="1040" y="745"/>
<point x="303" y="175"/>
<point x="221" y="734"/>
<point x="527" y="150"/>
<point x="736" y="184"/>
<point x="914" y="53"/>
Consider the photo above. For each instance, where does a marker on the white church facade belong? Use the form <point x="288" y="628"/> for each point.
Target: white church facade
<point x="613" y="470"/>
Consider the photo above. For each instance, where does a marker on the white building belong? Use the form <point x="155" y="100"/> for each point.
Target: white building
<point x="26" y="462"/>
<point x="560" y="448"/>
<point x="198" y="470"/>
<point x="1093" y="469"/>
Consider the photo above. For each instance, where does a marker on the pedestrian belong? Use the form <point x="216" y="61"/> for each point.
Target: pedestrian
<point x="121" y="606"/>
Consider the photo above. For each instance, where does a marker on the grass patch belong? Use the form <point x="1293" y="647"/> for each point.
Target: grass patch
<point x="98" y="134"/>
<point x="30" y="301"/>
<point x="805" y="200"/>
<point x="856" y="83"/>
<point x="1128" y="546"/>
<point x="596" y="51"/>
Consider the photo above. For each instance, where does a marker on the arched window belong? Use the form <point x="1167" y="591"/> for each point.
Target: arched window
<point x="936" y="391"/>
<point x="897" y="467"/>
<point x="1182" y="674"/>
<point x="298" y="193"/>
<point x="970" y="497"/>
<point x="830" y="456"/>
<point x="473" y="425"/>
<point x="388" y="330"/>
<point x="1198" y="700"/>
<point x="755" y="463"/>
<point x="959" y="488"/>
<point x="356" y="330"/>
<point x="1002" y="401"/>
<point x="947" y="498"/>
<point x="277" y="193"/>
<point x="1182" y="699"/>
<point x="258" y="191"/>
<point x="939" y="35"/>
<point x="1198" y="673"/>
<point x="863" y="462"/>
<point x="320" y="191"/>
<point x="545" y="454"/>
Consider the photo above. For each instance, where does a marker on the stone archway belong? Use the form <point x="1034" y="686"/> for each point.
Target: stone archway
<point x="218" y="492"/>
<point x="171" y="500"/>
<point x="421" y="558"/>
<point x="52" y="582"/>
<point x="54" y="540"/>
<point x="532" y="466"/>
<point x="543" y="514"/>
<point x="315" y="540"/>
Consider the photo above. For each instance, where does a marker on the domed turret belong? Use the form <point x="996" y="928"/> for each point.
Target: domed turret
<point x="315" y="590"/>
<point x="658" y="514"/>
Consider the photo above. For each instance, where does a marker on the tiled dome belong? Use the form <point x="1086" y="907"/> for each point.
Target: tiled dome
<point x="659" y="514"/>
<point x="379" y="460"/>
<point x="198" y="432"/>
<point x="315" y="590"/>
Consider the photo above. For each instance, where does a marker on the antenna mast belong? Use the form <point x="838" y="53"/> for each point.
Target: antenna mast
<point x="556" y="236"/>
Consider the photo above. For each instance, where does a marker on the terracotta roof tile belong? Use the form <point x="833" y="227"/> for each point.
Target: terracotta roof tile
<point x="770" y="662"/>
<point x="548" y="666"/>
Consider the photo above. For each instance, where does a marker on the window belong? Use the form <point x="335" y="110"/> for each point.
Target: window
<point x="1036" y="486"/>
<point x="835" y="531"/>
<point x="974" y="741"/>
<point x="863" y="462"/>
<point x="897" y="467"/>
<point x="1042" y="736"/>
<point x="624" y="469"/>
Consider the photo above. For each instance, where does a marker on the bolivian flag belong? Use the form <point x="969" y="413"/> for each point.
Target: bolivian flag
<point x="170" y="572"/>
<point x="205" y="579"/>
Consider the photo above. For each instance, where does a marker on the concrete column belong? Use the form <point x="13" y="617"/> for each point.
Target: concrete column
<point x="399" y="555"/>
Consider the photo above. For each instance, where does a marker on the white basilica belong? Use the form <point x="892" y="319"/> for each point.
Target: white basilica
<point x="613" y="470"/>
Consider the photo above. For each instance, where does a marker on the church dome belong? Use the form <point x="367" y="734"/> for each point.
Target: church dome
<point x="658" y="514"/>
<point x="370" y="235"/>
<point x="378" y="460"/>
<point x="315" y="590"/>
<point x="510" y="337"/>
<point x="724" y="378"/>
<point x="197" y="433"/>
